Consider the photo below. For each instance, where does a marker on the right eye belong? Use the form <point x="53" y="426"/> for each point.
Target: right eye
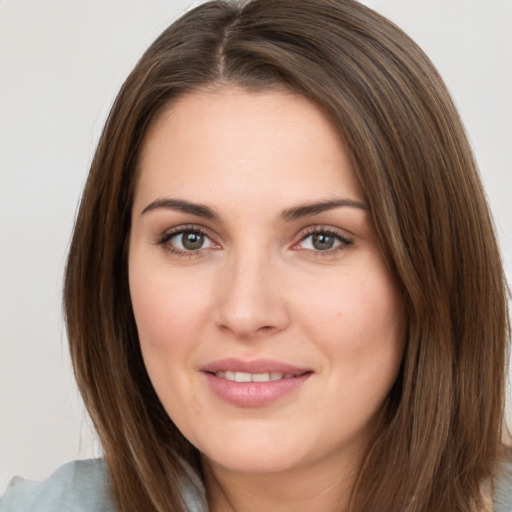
<point x="186" y="241"/>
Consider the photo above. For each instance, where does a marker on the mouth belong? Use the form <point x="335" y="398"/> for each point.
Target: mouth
<point x="254" y="383"/>
<point x="257" y="370"/>
<point x="253" y="377"/>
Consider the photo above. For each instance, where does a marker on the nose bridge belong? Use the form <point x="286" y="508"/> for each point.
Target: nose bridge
<point x="250" y="300"/>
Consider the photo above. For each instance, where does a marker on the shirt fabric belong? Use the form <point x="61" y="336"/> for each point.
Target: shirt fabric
<point x="82" y="486"/>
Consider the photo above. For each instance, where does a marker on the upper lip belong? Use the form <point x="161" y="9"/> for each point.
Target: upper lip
<point x="254" y="366"/>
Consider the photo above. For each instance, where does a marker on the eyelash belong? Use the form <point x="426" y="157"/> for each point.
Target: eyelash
<point x="163" y="240"/>
<point x="344" y="244"/>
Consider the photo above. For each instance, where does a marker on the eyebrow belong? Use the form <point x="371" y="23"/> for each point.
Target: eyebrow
<point x="288" y="215"/>
<point x="200" y="210"/>
<point x="310" y="209"/>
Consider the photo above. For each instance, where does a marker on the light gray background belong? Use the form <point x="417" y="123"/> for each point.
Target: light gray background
<point x="61" y="63"/>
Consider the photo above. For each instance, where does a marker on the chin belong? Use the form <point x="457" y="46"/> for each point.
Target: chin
<point x="251" y="452"/>
<point x="252" y="461"/>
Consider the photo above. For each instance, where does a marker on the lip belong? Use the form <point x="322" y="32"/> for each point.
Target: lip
<point x="254" y="366"/>
<point x="254" y="394"/>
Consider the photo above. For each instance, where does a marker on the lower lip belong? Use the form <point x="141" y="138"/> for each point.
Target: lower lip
<point x="254" y="394"/>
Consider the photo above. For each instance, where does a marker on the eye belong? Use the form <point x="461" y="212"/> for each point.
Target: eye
<point x="325" y="241"/>
<point x="186" y="240"/>
<point x="189" y="240"/>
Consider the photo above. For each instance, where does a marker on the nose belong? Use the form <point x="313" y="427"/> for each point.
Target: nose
<point x="250" y="298"/>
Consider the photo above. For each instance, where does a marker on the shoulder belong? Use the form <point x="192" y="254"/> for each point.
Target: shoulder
<point x="79" y="486"/>
<point x="503" y="488"/>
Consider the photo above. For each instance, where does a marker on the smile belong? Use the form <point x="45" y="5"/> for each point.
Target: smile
<point x="255" y="383"/>
<point x="253" y="377"/>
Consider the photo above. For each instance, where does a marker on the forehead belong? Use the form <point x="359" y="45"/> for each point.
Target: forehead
<point x="234" y="143"/>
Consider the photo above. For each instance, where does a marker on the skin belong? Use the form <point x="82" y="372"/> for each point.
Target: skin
<point x="259" y="287"/>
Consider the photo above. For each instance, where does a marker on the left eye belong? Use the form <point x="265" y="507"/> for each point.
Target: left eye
<point x="323" y="241"/>
<point x="190" y="241"/>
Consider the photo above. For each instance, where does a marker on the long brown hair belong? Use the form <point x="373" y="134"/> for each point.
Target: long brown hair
<point x="440" y="436"/>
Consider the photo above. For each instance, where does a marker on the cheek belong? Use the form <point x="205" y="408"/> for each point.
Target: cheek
<point x="358" y="309"/>
<point x="167" y="309"/>
<point x="169" y="312"/>
<point x="358" y="324"/>
<point x="168" y="316"/>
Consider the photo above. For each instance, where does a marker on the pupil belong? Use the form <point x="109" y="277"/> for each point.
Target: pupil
<point x="322" y="242"/>
<point x="192" y="241"/>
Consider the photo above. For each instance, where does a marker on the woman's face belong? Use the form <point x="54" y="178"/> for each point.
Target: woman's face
<point x="269" y="324"/>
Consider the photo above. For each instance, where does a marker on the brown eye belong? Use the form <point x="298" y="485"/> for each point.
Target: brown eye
<point x="189" y="240"/>
<point x="323" y="241"/>
<point x="192" y="241"/>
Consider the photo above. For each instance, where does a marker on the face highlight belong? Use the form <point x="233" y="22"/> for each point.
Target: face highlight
<point x="269" y="324"/>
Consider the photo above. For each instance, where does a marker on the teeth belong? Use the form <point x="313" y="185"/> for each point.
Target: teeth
<point x="253" y="377"/>
<point x="242" y="377"/>
<point x="260" y="377"/>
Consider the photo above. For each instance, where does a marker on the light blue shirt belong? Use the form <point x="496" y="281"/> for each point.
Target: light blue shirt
<point x="82" y="486"/>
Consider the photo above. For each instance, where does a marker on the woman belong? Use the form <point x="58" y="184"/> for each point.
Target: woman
<point x="283" y="290"/>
